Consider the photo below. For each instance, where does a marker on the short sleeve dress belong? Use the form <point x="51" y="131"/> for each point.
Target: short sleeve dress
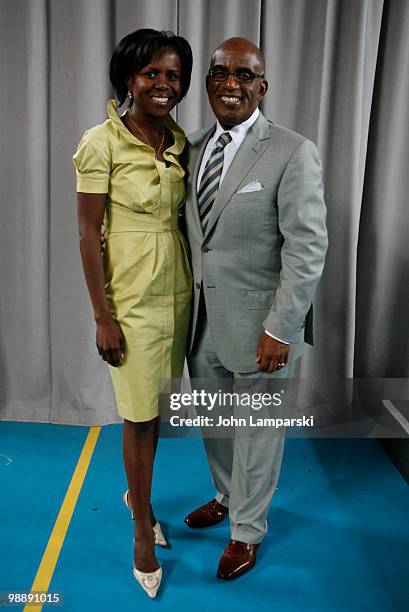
<point x="148" y="280"/>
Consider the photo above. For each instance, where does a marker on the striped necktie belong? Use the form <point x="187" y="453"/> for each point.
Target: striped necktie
<point x="209" y="184"/>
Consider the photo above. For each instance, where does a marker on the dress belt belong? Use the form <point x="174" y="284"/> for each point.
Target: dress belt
<point x="121" y="220"/>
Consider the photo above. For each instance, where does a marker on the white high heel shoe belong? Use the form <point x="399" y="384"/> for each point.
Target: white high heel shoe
<point x="150" y="582"/>
<point x="160" y="539"/>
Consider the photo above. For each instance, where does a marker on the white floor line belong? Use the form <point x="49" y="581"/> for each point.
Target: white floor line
<point x="396" y="414"/>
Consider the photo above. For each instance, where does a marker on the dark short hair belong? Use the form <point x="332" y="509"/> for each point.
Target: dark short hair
<point x="136" y="50"/>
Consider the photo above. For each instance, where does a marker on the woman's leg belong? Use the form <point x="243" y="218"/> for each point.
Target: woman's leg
<point x="139" y="448"/>
<point x="155" y="446"/>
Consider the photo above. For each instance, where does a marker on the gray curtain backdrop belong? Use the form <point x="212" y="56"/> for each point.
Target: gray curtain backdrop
<point x="338" y="72"/>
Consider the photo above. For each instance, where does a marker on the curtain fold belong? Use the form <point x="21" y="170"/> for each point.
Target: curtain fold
<point x="81" y="42"/>
<point x="338" y="73"/>
<point x="382" y="338"/>
<point x="25" y="367"/>
<point x="205" y="25"/>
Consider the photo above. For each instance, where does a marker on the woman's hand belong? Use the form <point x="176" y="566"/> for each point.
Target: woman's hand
<point x="110" y="340"/>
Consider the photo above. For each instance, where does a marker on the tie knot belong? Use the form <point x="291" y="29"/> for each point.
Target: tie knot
<point x="223" y="140"/>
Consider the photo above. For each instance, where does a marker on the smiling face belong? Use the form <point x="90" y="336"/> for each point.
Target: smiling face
<point x="233" y="102"/>
<point x="157" y="87"/>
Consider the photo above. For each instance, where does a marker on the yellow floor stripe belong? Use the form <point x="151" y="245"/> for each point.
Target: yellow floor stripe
<point x="53" y="549"/>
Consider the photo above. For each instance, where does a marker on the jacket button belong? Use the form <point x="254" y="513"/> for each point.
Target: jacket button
<point x="197" y="285"/>
<point x="205" y="249"/>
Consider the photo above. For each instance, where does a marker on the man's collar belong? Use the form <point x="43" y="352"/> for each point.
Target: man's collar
<point x="238" y="132"/>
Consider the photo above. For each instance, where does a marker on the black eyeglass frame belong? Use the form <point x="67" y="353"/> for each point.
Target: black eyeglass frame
<point x="253" y="75"/>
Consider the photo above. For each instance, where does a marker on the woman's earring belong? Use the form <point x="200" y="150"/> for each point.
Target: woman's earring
<point x="130" y="96"/>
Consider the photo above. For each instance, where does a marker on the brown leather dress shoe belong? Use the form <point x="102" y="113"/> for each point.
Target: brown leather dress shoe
<point x="238" y="558"/>
<point x="207" y="515"/>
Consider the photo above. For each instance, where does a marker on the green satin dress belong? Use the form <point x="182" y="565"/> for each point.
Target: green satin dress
<point x="147" y="271"/>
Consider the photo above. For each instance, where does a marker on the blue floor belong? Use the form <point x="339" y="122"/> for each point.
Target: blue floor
<point x="338" y="527"/>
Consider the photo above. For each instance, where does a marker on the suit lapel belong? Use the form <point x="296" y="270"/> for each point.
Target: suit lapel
<point x="253" y="146"/>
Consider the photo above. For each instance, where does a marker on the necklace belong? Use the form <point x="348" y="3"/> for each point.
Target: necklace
<point x="146" y="137"/>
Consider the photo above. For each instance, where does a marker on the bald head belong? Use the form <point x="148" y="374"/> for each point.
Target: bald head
<point x="235" y="83"/>
<point x="240" y="45"/>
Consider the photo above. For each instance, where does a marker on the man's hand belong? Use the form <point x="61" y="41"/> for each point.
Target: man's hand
<point x="271" y="354"/>
<point x="103" y="238"/>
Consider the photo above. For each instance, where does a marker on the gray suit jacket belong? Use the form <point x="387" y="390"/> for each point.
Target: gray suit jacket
<point x="263" y="252"/>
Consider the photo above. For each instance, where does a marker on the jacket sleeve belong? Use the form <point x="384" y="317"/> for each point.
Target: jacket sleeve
<point x="302" y="223"/>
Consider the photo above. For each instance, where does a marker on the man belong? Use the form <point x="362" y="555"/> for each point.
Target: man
<point x="255" y="219"/>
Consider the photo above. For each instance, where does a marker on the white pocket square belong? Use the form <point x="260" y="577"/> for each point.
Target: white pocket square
<point x="253" y="186"/>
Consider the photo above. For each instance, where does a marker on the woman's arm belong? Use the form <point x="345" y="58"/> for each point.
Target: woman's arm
<point x="109" y="338"/>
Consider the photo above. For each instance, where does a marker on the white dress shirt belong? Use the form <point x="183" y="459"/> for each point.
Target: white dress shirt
<point x="238" y="133"/>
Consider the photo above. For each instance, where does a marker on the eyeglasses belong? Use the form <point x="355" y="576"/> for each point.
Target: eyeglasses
<point x="241" y="75"/>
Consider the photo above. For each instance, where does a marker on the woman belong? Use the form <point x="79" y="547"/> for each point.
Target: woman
<point x="129" y="178"/>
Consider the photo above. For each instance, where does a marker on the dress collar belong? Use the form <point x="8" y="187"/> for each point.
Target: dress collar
<point x="178" y="133"/>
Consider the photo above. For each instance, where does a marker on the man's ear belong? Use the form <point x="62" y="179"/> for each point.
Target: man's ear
<point x="262" y="89"/>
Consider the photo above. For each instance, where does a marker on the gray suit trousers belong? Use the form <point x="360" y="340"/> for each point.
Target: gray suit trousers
<point x="246" y="465"/>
